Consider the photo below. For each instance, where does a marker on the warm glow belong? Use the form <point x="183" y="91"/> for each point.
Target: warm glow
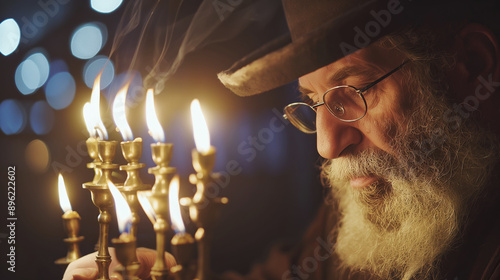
<point x="175" y="208"/>
<point x="154" y="125"/>
<point x="87" y="116"/>
<point x="123" y="213"/>
<point x="200" y="129"/>
<point x="119" y="115"/>
<point x="146" y="205"/>
<point x="95" y="111"/>
<point x="63" y="195"/>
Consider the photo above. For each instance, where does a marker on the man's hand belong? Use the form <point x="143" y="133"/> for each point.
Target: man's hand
<point x="85" y="267"/>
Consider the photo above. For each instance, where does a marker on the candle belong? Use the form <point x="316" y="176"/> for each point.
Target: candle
<point x="175" y="208"/>
<point x="123" y="212"/>
<point x="94" y="112"/>
<point x="71" y="221"/>
<point x="119" y="115"/>
<point x="63" y="195"/>
<point x="182" y="242"/>
<point x="200" y="128"/>
<point x="87" y="116"/>
<point x="154" y="126"/>
<point x="125" y="244"/>
<point x="146" y="205"/>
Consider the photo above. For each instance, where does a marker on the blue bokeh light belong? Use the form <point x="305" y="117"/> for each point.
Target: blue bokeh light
<point x="32" y="73"/>
<point x="11" y="36"/>
<point x="41" y="117"/>
<point x="60" y="90"/>
<point x="94" y="66"/>
<point x="105" y="6"/>
<point x="18" y="77"/>
<point x="87" y="40"/>
<point x="42" y="64"/>
<point x="13" y="117"/>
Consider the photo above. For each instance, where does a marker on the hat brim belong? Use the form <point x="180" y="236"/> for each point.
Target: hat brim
<point x="283" y="61"/>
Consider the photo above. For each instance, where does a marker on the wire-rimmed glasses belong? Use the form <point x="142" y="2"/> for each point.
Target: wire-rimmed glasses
<point x="347" y="103"/>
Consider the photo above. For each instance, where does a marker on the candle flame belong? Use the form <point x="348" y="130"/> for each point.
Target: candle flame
<point x="119" y="115"/>
<point x="154" y="125"/>
<point x="95" y="111"/>
<point x="175" y="208"/>
<point x="146" y="205"/>
<point x="200" y="129"/>
<point x="87" y="116"/>
<point x="63" y="195"/>
<point x="123" y="212"/>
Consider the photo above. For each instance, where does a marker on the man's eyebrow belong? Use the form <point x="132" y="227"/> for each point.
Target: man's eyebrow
<point x="347" y="71"/>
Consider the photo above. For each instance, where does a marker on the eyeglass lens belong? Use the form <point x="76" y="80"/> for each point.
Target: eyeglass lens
<point x="345" y="103"/>
<point x="302" y="116"/>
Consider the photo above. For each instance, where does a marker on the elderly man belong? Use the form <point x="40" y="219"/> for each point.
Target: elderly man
<point x="405" y="104"/>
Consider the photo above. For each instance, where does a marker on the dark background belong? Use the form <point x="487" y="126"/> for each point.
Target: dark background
<point x="272" y="200"/>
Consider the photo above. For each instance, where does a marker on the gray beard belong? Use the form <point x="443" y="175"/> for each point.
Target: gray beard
<point x="402" y="224"/>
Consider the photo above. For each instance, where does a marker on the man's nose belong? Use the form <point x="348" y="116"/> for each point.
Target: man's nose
<point x="334" y="135"/>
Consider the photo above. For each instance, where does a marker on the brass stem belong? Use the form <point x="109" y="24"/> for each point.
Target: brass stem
<point x="162" y="154"/>
<point x="102" y="199"/>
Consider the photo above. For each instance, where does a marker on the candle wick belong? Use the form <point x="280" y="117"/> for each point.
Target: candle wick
<point x="100" y="132"/>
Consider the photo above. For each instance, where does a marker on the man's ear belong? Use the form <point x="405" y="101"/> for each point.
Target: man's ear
<point x="475" y="79"/>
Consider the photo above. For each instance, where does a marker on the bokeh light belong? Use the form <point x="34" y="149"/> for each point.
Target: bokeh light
<point x="94" y="66"/>
<point x="105" y="6"/>
<point x="13" y="117"/>
<point x="37" y="156"/>
<point x="60" y="90"/>
<point x="87" y="40"/>
<point x="41" y="117"/>
<point x="32" y="73"/>
<point x="11" y="36"/>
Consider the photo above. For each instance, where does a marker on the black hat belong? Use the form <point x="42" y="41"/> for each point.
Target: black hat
<point x="321" y="32"/>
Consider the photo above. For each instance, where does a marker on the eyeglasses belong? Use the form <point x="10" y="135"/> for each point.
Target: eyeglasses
<point x="347" y="103"/>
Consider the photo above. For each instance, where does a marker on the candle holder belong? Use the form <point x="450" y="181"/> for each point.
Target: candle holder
<point x="132" y="151"/>
<point x="183" y="246"/>
<point x="71" y="221"/>
<point x="125" y="247"/>
<point x="162" y="154"/>
<point x="93" y="153"/>
<point x="203" y="210"/>
<point x="102" y="199"/>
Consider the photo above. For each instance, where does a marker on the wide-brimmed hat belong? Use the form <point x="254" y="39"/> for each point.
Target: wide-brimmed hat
<point x="321" y="32"/>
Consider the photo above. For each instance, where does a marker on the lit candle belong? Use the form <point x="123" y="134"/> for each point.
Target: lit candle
<point x="89" y="122"/>
<point x="63" y="196"/>
<point x="123" y="212"/>
<point x="146" y="205"/>
<point x="95" y="113"/>
<point x="175" y="208"/>
<point x="119" y="115"/>
<point x="92" y="141"/>
<point x="125" y="244"/>
<point x="204" y="154"/>
<point x="182" y="242"/>
<point x="154" y="126"/>
<point x="200" y="128"/>
<point x="71" y="221"/>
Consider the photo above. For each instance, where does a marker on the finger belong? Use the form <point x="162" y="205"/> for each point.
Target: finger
<point x="147" y="258"/>
<point x="83" y="266"/>
<point x="84" y="274"/>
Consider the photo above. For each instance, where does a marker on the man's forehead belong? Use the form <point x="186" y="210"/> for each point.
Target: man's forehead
<point x="338" y="71"/>
<point x="365" y="62"/>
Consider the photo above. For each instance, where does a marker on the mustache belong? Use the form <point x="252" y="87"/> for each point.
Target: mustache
<point x="366" y="163"/>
